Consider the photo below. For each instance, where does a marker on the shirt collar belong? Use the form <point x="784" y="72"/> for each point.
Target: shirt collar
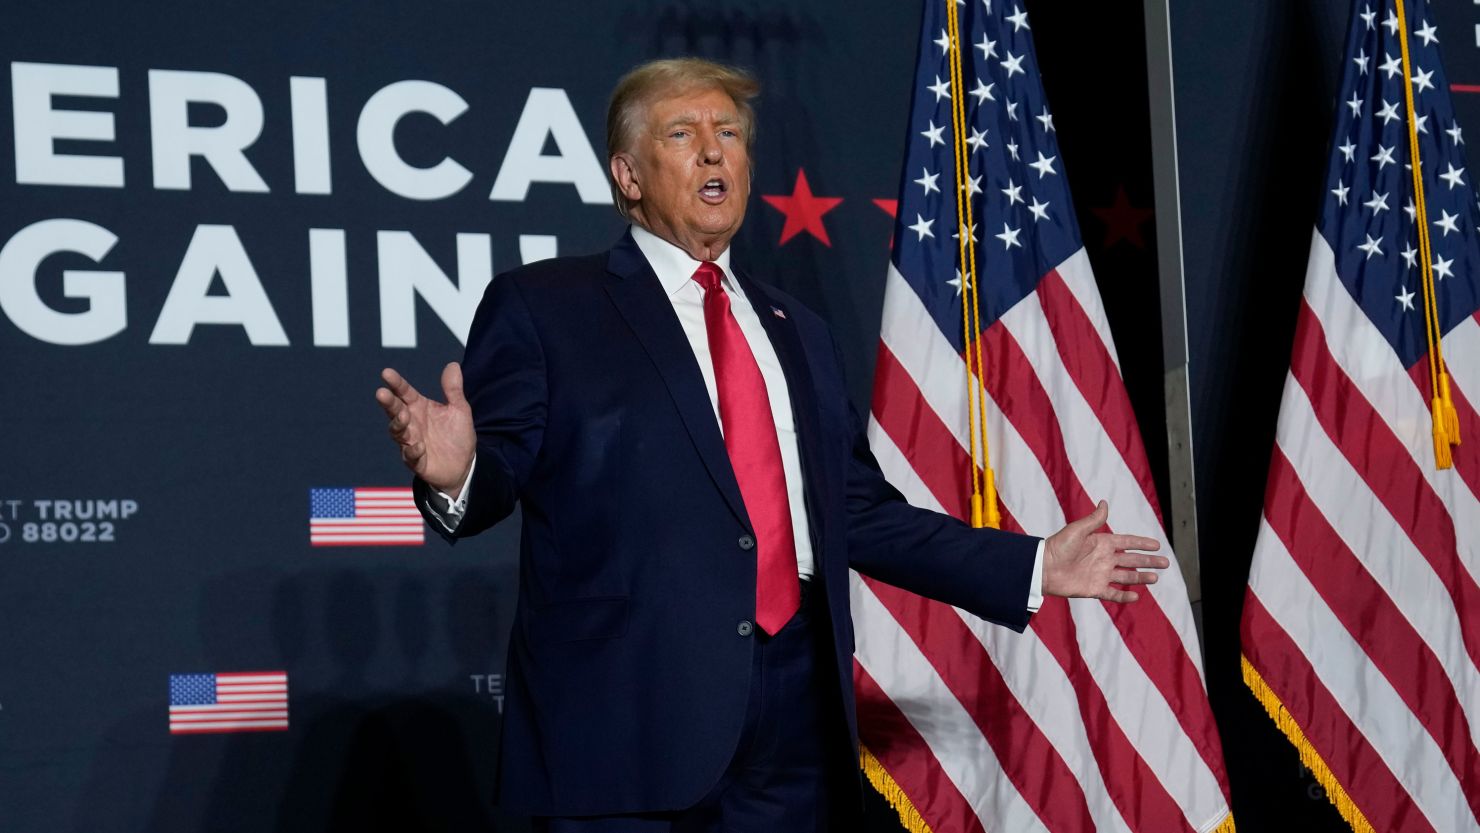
<point x="673" y="266"/>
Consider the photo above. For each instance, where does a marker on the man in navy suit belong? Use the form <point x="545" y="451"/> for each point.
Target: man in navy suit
<point x="694" y="488"/>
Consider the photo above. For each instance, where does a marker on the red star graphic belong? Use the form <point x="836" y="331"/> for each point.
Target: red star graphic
<point x="1123" y="220"/>
<point x="890" y="207"/>
<point x="803" y="211"/>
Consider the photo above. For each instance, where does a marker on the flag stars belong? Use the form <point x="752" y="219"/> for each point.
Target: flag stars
<point x="1009" y="237"/>
<point x="1368" y="16"/>
<point x="983" y="92"/>
<point x="956" y="235"/>
<point x="1378" y="203"/>
<point x="958" y="282"/>
<point x="1405" y="298"/>
<point x="1410" y="210"/>
<point x="1012" y="111"/>
<point x="1429" y="32"/>
<point x="1410" y="255"/>
<point x="933" y="134"/>
<point x="1013" y="192"/>
<point x="1047" y="119"/>
<point x="942" y="89"/>
<point x="973" y="186"/>
<point x="1339" y="191"/>
<point x="1371" y="247"/>
<point x="1421" y="124"/>
<point x="1014" y="64"/>
<point x="922" y="228"/>
<point x="1421" y="80"/>
<point x="1012" y="148"/>
<point x="1442" y="268"/>
<point x="944" y="42"/>
<point x="927" y="181"/>
<point x="1391" y="22"/>
<point x="1389" y="112"/>
<point x="988" y="47"/>
<point x="1044" y="165"/>
<point x="1453" y="176"/>
<point x="1362" y="61"/>
<point x="978" y="140"/>
<point x="1039" y="209"/>
<point x="1018" y="19"/>
<point x="1447" y="221"/>
<point x="1393" y="66"/>
<point x="1356" y="105"/>
<point x="1383" y="157"/>
<point x="1455" y="134"/>
<point x="1348" y="150"/>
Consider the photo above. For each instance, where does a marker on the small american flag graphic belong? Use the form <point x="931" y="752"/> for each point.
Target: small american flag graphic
<point x="219" y="703"/>
<point x="363" y="516"/>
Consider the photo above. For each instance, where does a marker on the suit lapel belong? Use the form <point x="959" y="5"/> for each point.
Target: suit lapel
<point x="639" y="298"/>
<point x="780" y="325"/>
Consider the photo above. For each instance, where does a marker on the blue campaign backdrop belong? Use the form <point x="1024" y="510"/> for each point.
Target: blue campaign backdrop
<point x="219" y="221"/>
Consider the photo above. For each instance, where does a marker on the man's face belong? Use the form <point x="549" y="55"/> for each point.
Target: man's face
<point x="687" y="174"/>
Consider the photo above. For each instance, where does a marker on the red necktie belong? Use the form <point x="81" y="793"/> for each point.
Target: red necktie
<point x="755" y="454"/>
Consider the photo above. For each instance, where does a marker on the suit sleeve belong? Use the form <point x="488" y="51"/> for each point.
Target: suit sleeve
<point x="987" y="572"/>
<point x="504" y="380"/>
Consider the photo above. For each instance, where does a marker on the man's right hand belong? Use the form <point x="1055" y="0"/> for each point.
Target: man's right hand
<point x="437" y="440"/>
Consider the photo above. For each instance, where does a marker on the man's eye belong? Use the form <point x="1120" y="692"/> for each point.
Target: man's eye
<point x="678" y="134"/>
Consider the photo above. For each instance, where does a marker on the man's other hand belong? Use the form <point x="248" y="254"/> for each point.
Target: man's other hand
<point x="1080" y="562"/>
<point x="437" y="440"/>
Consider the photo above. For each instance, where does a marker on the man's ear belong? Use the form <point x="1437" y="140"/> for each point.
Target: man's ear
<point x="624" y="173"/>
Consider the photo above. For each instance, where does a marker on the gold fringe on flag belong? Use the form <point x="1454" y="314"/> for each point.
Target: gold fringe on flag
<point x="1308" y="754"/>
<point x="884" y="783"/>
<point x="1225" y="826"/>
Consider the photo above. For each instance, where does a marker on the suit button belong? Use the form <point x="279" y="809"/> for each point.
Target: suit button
<point x="747" y="542"/>
<point x="744" y="628"/>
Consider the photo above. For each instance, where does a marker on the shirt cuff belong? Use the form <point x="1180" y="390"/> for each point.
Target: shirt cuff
<point x="449" y="510"/>
<point x="1035" y="584"/>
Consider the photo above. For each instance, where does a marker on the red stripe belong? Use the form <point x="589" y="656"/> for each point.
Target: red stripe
<point x="340" y="543"/>
<point x="1358" y="767"/>
<point x="1027" y="757"/>
<point x="1466" y="459"/>
<point x="383" y="490"/>
<point x="1373" y="620"/>
<point x="891" y="738"/>
<point x="1380" y="459"/>
<point x="1464" y="88"/>
<point x="1093" y="370"/>
<point x="933" y="451"/>
<point x="1143" y="626"/>
<point x="179" y="730"/>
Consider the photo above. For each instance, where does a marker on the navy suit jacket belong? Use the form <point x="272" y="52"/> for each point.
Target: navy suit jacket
<point x="630" y="658"/>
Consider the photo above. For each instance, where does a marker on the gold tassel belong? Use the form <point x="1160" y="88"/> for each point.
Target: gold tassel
<point x="1308" y="754"/>
<point x="1225" y="826"/>
<point x="1442" y="457"/>
<point x="884" y="783"/>
<point x="1451" y="416"/>
<point x="994" y="513"/>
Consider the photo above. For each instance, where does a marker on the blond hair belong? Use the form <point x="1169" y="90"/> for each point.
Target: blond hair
<point x="672" y="76"/>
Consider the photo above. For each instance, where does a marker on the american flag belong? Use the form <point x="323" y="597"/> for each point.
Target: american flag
<point x="219" y="703"/>
<point x="1097" y="717"/>
<point x="1361" y="624"/>
<point x="363" y="516"/>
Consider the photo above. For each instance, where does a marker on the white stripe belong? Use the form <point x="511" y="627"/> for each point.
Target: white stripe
<point x="1364" y="524"/>
<point x="237" y="678"/>
<point x="922" y="350"/>
<point x="278" y="705"/>
<point x="248" y="685"/>
<point x="1363" y="353"/>
<point x="1080" y="279"/>
<point x="911" y="683"/>
<point x="1462" y="355"/>
<point x="1362" y="692"/>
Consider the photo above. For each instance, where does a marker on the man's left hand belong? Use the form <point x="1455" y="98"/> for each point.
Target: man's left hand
<point x="1080" y="562"/>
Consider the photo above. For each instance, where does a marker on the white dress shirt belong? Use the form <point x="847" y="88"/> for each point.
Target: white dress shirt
<point x="675" y="270"/>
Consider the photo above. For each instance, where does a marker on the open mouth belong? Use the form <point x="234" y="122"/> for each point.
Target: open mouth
<point x="714" y="189"/>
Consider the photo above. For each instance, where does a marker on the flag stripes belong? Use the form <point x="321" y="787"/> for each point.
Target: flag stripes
<point x="926" y="458"/>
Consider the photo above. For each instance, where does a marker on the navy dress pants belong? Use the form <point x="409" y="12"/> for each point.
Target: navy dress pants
<point x="791" y="772"/>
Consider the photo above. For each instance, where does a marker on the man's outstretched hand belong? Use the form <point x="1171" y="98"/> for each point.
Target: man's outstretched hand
<point x="1080" y="562"/>
<point x="437" y="439"/>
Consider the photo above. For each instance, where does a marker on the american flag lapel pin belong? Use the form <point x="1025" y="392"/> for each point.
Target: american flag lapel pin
<point x="778" y="312"/>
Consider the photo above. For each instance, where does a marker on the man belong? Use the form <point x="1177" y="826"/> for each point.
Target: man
<point x="694" y="487"/>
